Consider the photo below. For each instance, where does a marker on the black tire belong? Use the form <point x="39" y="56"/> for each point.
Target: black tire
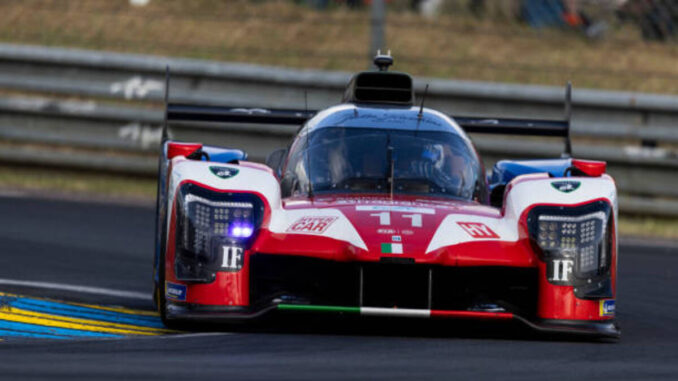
<point x="175" y="324"/>
<point x="159" y="301"/>
<point x="160" y="292"/>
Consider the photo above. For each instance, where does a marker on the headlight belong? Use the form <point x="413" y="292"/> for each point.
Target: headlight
<point x="577" y="237"/>
<point x="205" y="218"/>
<point x="213" y="231"/>
<point x="574" y="242"/>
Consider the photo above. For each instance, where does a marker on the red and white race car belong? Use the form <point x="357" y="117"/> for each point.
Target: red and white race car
<point x="382" y="207"/>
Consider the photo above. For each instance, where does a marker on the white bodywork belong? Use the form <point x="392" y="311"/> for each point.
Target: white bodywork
<point x="522" y="193"/>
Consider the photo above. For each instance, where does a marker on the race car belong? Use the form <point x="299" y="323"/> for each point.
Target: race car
<point x="381" y="207"/>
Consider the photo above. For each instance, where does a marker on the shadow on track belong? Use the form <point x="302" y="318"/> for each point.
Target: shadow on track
<point x="313" y="324"/>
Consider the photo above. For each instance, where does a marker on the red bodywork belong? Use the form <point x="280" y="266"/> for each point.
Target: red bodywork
<point x="554" y="301"/>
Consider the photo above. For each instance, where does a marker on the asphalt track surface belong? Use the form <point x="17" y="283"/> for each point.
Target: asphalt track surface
<point x="109" y="246"/>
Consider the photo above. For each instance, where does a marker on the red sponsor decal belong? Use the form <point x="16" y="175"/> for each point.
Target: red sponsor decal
<point x="312" y="224"/>
<point x="478" y="230"/>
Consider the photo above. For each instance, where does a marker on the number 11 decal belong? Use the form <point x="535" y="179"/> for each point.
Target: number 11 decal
<point x="385" y="219"/>
<point x="415" y="218"/>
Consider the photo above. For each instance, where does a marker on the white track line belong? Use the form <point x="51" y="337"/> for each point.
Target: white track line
<point x="80" y="289"/>
<point x="191" y="335"/>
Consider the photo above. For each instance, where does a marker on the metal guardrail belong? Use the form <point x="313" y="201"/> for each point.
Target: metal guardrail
<point x="92" y="102"/>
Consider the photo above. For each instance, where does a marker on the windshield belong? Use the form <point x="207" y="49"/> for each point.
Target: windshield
<point x="366" y="160"/>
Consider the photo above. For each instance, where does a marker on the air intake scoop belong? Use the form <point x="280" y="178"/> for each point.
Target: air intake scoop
<point x="380" y="86"/>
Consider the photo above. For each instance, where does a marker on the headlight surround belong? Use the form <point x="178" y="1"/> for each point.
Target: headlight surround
<point x="575" y="242"/>
<point x="213" y="231"/>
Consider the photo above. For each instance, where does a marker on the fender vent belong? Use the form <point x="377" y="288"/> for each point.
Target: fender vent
<point x="380" y="87"/>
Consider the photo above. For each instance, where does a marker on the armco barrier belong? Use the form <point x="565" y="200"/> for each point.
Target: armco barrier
<point x="71" y="102"/>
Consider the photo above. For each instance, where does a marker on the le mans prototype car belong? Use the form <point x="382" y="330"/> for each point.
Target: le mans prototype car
<point x="382" y="207"/>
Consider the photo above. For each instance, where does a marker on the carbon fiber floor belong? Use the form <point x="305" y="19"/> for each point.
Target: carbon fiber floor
<point x="105" y="246"/>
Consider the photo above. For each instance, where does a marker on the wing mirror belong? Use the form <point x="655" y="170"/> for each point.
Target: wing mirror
<point x="276" y="159"/>
<point x="497" y="196"/>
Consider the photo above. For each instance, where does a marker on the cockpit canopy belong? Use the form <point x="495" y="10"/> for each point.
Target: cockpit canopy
<point x="365" y="160"/>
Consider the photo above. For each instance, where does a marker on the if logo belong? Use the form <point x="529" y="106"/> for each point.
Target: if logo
<point x="232" y="258"/>
<point x="561" y="270"/>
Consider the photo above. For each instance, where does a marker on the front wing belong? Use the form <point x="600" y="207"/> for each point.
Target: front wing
<point x="291" y="284"/>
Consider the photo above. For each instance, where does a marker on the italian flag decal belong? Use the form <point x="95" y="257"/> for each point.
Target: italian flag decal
<point x="401" y="312"/>
<point x="392" y="248"/>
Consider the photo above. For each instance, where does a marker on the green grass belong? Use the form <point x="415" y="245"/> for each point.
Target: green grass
<point x="77" y="183"/>
<point x="665" y="228"/>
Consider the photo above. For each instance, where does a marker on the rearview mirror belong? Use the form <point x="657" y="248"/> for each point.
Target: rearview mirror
<point x="275" y="160"/>
<point x="497" y="196"/>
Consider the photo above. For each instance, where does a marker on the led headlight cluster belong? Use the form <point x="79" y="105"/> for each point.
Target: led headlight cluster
<point x="213" y="230"/>
<point x="565" y="232"/>
<point x="589" y="259"/>
<point x="575" y="242"/>
<point x="207" y="218"/>
<point x="579" y="237"/>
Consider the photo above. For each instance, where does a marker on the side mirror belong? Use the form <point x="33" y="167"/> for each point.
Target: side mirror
<point x="275" y="160"/>
<point x="497" y="196"/>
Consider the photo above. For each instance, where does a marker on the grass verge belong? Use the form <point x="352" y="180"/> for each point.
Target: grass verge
<point x="77" y="184"/>
<point x="651" y="227"/>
